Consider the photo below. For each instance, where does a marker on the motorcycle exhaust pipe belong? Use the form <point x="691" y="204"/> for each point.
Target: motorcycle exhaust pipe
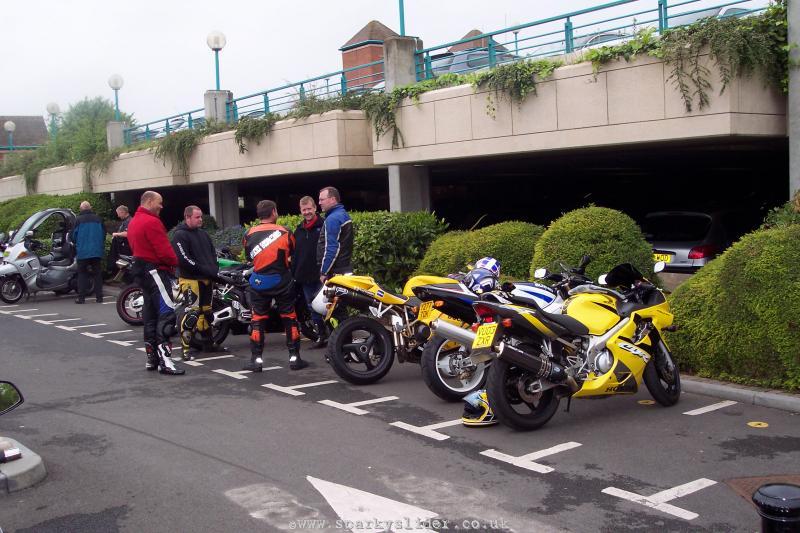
<point x="350" y="298"/>
<point x="452" y="332"/>
<point x="542" y="368"/>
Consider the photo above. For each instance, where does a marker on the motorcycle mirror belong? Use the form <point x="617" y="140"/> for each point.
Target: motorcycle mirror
<point x="29" y="234"/>
<point x="584" y="261"/>
<point x="659" y="267"/>
<point x="540" y="273"/>
<point x="507" y="286"/>
<point x="602" y="279"/>
<point x="10" y="397"/>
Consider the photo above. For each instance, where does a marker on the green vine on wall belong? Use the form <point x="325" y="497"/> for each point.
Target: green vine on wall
<point x="178" y="147"/>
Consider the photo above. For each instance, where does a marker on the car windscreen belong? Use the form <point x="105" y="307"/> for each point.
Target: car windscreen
<point x="679" y="227"/>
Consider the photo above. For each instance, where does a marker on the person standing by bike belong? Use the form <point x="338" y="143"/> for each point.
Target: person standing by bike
<point x="304" y="261"/>
<point x="270" y="246"/>
<point x="119" y="239"/>
<point x="153" y="267"/>
<point x="89" y="237"/>
<point x="197" y="268"/>
<point x="335" y="245"/>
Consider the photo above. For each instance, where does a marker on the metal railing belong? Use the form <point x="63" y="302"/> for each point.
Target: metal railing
<point x="571" y="32"/>
<point x="164" y="126"/>
<point x="15" y="147"/>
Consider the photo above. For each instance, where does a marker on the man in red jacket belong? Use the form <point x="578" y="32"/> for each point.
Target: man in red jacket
<point x="153" y="268"/>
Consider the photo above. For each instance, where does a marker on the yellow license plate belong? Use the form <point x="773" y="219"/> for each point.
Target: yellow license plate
<point x="484" y="336"/>
<point x="425" y="311"/>
<point x="662" y="257"/>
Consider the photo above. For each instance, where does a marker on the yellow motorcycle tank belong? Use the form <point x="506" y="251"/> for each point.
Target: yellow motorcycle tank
<point x="367" y="284"/>
<point x="416" y="281"/>
<point x="595" y="311"/>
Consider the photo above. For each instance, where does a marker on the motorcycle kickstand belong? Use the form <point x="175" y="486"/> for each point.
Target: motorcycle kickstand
<point x="569" y="403"/>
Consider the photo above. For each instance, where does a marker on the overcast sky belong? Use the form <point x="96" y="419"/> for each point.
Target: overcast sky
<point x="63" y="51"/>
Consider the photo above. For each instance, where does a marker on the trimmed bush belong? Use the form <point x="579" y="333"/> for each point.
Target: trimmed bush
<point x="739" y="317"/>
<point x="512" y="243"/>
<point x="785" y="215"/>
<point x="609" y="236"/>
<point x="15" y="211"/>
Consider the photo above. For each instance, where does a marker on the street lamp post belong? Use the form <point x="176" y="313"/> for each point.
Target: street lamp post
<point x="514" y="23"/>
<point x="116" y="82"/>
<point x="10" y="127"/>
<point x="216" y="41"/>
<point x="402" y="19"/>
<point x="53" y="110"/>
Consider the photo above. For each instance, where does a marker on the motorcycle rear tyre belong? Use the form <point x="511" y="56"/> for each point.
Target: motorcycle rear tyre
<point x="343" y="335"/>
<point x="432" y="377"/>
<point x="123" y="295"/>
<point x="219" y="332"/>
<point x="655" y="380"/>
<point x="501" y="403"/>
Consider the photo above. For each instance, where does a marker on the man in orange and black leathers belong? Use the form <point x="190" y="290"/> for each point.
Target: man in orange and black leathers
<point x="270" y="246"/>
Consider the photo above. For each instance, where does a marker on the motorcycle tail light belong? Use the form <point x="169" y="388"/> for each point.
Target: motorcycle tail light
<point x="702" y="252"/>
<point x="438" y="303"/>
<point x="484" y="312"/>
<point x="506" y="322"/>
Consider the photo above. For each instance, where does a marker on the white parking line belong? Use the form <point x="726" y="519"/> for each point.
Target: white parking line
<point x="354" y="407"/>
<point x="709" y="408"/>
<point x="527" y="461"/>
<point x="659" y="500"/>
<point x="17" y="311"/>
<point x="107" y="303"/>
<point x="228" y="356"/>
<point x="127" y="344"/>
<point x="241" y="374"/>
<point x="73" y="328"/>
<point x="51" y="322"/>
<point x="28" y="317"/>
<point x="103" y="334"/>
<point x="293" y="389"/>
<point x="429" y="430"/>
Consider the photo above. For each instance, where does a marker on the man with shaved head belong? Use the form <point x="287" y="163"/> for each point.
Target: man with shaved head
<point x="89" y="237"/>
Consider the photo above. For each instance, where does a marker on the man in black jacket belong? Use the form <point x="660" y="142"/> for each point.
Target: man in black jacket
<point x="304" y="263"/>
<point x="197" y="267"/>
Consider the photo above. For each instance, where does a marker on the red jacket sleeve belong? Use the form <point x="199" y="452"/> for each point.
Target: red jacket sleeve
<point x="161" y="245"/>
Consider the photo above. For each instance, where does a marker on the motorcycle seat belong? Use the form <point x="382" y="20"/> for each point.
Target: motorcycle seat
<point x="46" y="259"/>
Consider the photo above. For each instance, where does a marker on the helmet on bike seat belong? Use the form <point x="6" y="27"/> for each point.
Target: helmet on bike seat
<point x="489" y="263"/>
<point x="481" y="280"/>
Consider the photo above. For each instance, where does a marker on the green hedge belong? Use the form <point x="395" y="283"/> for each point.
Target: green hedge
<point x="739" y="316"/>
<point x="609" y="236"/>
<point x="512" y="243"/>
<point x="388" y="246"/>
<point x="14" y="212"/>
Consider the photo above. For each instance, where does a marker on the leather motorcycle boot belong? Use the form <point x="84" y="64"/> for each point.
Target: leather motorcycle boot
<point x="165" y="364"/>
<point x="255" y="364"/>
<point x="152" y="357"/>
<point x="322" y="340"/>
<point x="295" y="363"/>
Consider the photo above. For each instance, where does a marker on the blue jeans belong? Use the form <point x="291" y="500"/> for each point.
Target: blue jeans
<point x="310" y="290"/>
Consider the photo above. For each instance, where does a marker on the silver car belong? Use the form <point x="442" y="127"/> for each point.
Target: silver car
<point x="685" y="240"/>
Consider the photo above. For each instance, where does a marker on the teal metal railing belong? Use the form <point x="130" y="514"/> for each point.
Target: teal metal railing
<point x="609" y="24"/>
<point x="15" y="147"/>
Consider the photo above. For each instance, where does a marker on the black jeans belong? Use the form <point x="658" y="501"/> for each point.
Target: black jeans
<point x="84" y="265"/>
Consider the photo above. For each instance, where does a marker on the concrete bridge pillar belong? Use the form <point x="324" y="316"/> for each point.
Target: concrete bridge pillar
<point x="115" y="135"/>
<point x="223" y="203"/>
<point x="215" y="103"/>
<point x="793" y="110"/>
<point x="409" y="186"/>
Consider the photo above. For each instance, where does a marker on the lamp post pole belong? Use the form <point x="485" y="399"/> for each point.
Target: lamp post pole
<point x="216" y="66"/>
<point x="53" y="110"/>
<point x="402" y="19"/>
<point x="116" y="82"/>
<point x="216" y="41"/>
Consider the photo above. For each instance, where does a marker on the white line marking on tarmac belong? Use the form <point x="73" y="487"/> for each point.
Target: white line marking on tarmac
<point x="18" y="311"/>
<point x="709" y="408"/>
<point x="51" y="322"/>
<point x="659" y="500"/>
<point x="527" y="461"/>
<point x="241" y="374"/>
<point x="228" y="356"/>
<point x="28" y="317"/>
<point x="192" y="363"/>
<point x="293" y="389"/>
<point x="107" y="303"/>
<point x="127" y="344"/>
<point x="73" y="328"/>
<point x="142" y="349"/>
<point x="102" y="334"/>
<point x="429" y="430"/>
<point x="354" y="407"/>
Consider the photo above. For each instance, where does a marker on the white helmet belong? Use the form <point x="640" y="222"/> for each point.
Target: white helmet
<point x="320" y="302"/>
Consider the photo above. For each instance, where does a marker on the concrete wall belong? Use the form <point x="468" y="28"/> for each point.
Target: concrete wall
<point x="61" y="180"/>
<point x="624" y="103"/>
<point x="135" y="170"/>
<point x="12" y="187"/>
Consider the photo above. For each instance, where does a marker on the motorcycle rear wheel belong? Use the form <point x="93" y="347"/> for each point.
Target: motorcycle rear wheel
<point x="218" y="333"/>
<point x="361" y="342"/>
<point x="661" y="376"/>
<point x="437" y="370"/>
<point x="509" y="407"/>
<point x="12" y="289"/>
<point x="125" y="308"/>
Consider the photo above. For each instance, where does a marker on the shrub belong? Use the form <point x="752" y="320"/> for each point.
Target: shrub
<point x="610" y="237"/>
<point x="739" y="317"/>
<point x="15" y="211"/>
<point x="512" y="243"/>
<point x="787" y="214"/>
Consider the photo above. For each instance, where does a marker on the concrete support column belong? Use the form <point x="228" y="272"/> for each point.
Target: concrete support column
<point x="223" y="202"/>
<point x="409" y="186"/>
<point x="115" y="135"/>
<point x="793" y="8"/>
<point x="215" y="103"/>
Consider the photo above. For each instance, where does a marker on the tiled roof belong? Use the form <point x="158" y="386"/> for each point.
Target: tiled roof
<point x="30" y="131"/>
<point x="374" y="31"/>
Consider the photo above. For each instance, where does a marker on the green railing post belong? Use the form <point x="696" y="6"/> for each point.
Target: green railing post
<point x="191" y="124"/>
<point x="343" y="83"/>
<point x="569" y="44"/>
<point x="235" y="112"/>
<point x="302" y="93"/>
<point x="227" y="112"/>
<point x="266" y="104"/>
<point x="166" y="126"/>
<point x="492" y="53"/>
<point x="663" y="19"/>
<point x="428" y="66"/>
<point x="147" y="132"/>
<point x="402" y="19"/>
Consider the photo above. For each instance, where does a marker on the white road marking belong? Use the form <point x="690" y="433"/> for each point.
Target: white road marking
<point x="17" y="311"/>
<point x="51" y="322"/>
<point x="127" y="344"/>
<point x="429" y="430"/>
<point x="659" y="500"/>
<point x="192" y="363"/>
<point x="375" y="513"/>
<point x="101" y="335"/>
<point x="293" y="389"/>
<point x="228" y="356"/>
<point x="276" y="507"/>
<point x="73" y="328"/>
<point x="354" y="407"/>
<point x="28" y="317"/>
<point x="107" y="303"/>
<point x="142" y="349"/>
<point x="709" y="408"/>
<point x="241" y="374"/>
<point x="527" y="461"/>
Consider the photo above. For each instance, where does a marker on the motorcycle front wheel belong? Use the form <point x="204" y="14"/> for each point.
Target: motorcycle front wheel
<point x="513" y="405"/>
<point x="12" y="289"/>
<point x="129" y="305"/>
<point x="360" y="350"/>
<point x="661" y="376"/>
<point x="444" y="370"/>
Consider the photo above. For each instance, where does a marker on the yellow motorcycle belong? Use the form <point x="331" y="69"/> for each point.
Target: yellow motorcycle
<point x="605" y="342"/>
<point x="362" y="348"/>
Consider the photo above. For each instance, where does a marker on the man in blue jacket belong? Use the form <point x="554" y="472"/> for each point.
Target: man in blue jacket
<point x="89" y="237"/>
<point x="335" y="245"/>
